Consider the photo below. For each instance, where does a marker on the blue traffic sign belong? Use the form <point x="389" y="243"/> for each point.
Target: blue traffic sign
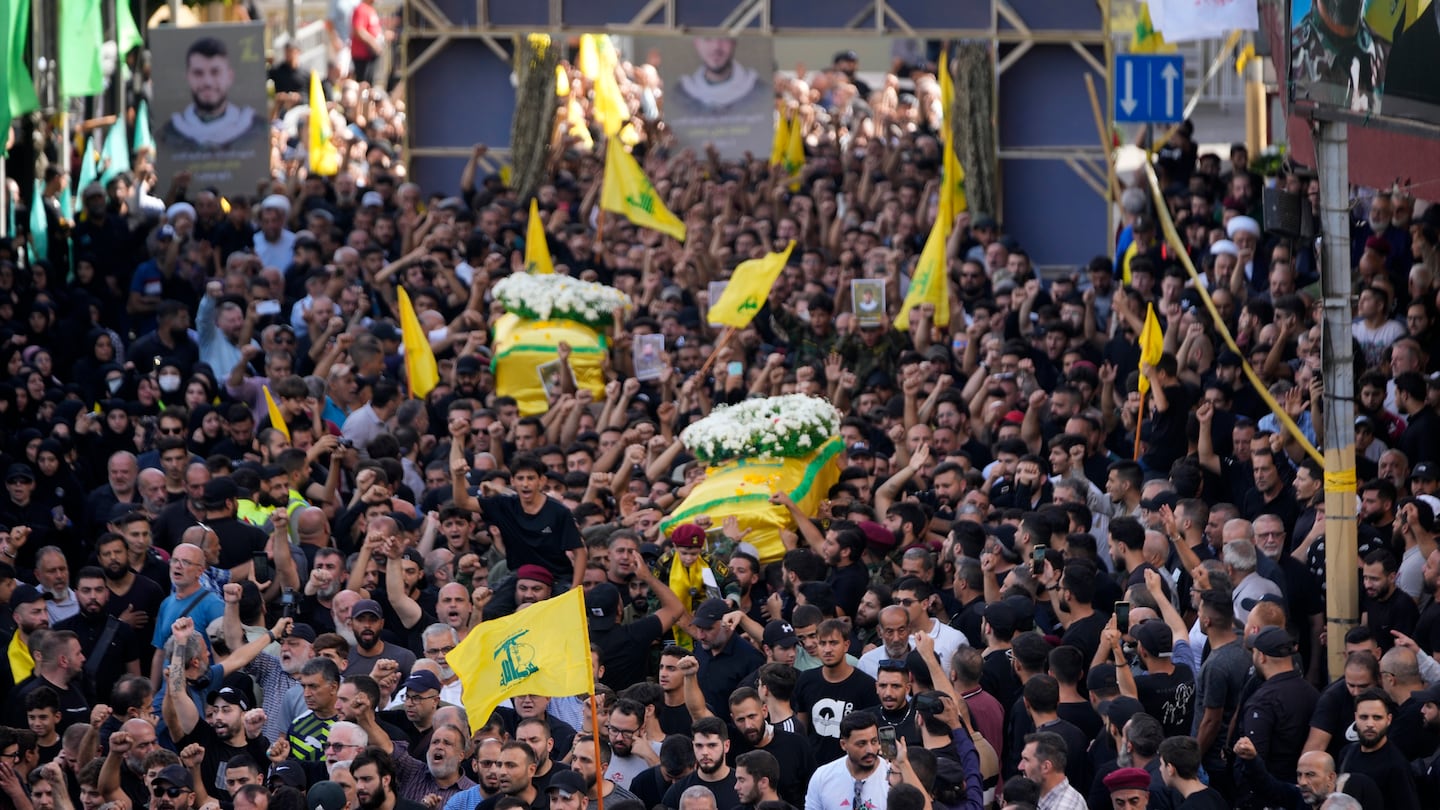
<point x="1149" y="88"/>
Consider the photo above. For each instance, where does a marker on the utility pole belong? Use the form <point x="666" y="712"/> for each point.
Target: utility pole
<point x="1256" y="107"/>
<point x="1342" y="595"/>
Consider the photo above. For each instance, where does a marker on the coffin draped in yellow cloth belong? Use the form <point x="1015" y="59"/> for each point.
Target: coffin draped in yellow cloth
<point x="523" y="346"/>
<point x="742" y="487"/>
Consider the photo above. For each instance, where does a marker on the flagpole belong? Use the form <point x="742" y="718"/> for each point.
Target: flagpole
<point x="715" y="355"/>
<point x="1139" y="422"/>
<point x="595" y="722"/>
<point x="595" y="737"/>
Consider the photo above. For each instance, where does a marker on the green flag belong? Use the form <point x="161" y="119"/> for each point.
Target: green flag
<point x="39" y="226"/>
<point x="82" y="37"/>
<point x="89" y="165"/>
<point x="115" y="154"/>
<point x="14" y="72"/>
<point x="143" y="138"/>
<point x="128" y="33"/>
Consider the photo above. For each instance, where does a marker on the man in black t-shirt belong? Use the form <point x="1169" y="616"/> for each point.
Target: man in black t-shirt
<point x="1385" y="607"/>
<point x="121" y="653"/>
<point x="224" y="736"/>
<point x="712" y="743"/>
<point x="790" y="750"/>
<point x="625" y="649"/>
<point x="535" y="529"/>
<point x="824" y="696"/>
<point x="1167" y="689"/>
<point x="1374" y="756"/>
<point x="1170" y="403"/>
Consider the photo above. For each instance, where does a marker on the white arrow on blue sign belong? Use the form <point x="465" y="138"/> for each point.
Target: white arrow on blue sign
<point x="1149" y="87"/>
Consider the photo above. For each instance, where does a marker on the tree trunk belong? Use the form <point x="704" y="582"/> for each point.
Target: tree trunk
<point x="534" y="121"/>
<point x="972" y="123"/>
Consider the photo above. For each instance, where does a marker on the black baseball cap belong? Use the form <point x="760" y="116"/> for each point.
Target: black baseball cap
<point x="780" y="633"/>
<point x="710" y="611"/>
<point x="1273" y="641"/>
<point x="1155" y="637"/>
<point x="602" y="602"/>
<point x="1250" y="603"/>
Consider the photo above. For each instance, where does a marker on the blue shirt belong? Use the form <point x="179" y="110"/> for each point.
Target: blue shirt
<point x="208" y="609"/>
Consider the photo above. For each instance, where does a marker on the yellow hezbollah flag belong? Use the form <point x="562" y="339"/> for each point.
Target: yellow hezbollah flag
<point x="795" y="152"/>
<point x="420" y="368"/>
<point x="1152" y="344"/>
<point x="589" y="59"/>
<point x="931" y="279"/>
<point x="537" y="253"/>
<point x="324" y="158"/>
<point x="610" y="107"/>
<point x="748" y="288"/>
<point x="1146" y="39"/>
<point x="628" y="192"/>
<point x="277" y="420"/>
<point x="782" y="139"/>
<point x="541" y="650"/>
<point x="562" y="81"/>
<point x="952" y="173"/>
<point x="611" y="110"/>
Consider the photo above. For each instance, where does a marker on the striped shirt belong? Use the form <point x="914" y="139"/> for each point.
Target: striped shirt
<point x="308" y="735"/>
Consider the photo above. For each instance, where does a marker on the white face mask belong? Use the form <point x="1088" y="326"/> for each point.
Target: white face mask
<point x="169" y="383"/>
<point x="114" y="384"/>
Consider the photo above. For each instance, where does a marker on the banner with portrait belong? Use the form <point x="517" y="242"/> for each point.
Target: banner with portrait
<point x="1367" y="57"/>
<point x="718" y="90"/>
<point x="210" y="114"/>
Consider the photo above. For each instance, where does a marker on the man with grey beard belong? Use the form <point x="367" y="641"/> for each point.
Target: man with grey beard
<point x="439" y="775"/>
<point x="439" y="640"/>
<point x="327" y="579"/>
<point x="152" y="491"/>
<point x="341" y="608"/>
<point x="278" y="677"/>
<point x="894" y="640"/>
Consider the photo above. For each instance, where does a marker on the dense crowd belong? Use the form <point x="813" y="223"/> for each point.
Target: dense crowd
<point x="999" y="604"/>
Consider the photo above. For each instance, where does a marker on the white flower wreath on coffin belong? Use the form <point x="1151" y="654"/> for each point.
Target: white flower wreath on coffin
<point x="556" y="297"/>
<point x="775" y="427"/>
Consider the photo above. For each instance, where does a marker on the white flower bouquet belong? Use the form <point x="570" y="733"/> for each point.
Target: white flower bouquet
<point x="549" y="296"/>
<point x="776" y="427"/>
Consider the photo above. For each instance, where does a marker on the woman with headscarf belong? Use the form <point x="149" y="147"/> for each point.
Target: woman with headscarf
<point x="56" y="481"/>
<point x="90" y="369"/>
<point x="147" y="397"/>
<point x="42" y="360"/>
<point x="40" y="323"/>
<point x="171" y="383"/>
<point x="27" y="405"/>
<point x="100" y="436"/>
<point x="199" y="390"/>
<point x="207" y="429"/>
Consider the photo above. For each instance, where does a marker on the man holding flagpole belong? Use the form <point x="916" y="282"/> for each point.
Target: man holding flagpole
<point x="1170" y="407"/>
<point x="538" y="530"/>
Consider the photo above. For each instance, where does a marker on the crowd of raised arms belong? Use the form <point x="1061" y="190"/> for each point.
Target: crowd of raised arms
<point x="999" y="604"/>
